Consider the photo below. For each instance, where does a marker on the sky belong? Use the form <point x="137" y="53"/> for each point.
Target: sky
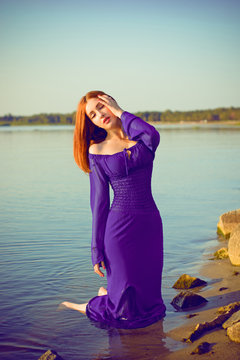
<point x="150" y="55"/>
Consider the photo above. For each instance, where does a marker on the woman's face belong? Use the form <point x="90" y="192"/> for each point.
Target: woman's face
<point x="99" y="114"/>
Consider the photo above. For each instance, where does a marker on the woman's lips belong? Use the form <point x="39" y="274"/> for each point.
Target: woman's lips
<point x="106" y="120"/>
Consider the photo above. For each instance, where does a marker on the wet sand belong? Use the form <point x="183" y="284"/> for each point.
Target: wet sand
<point x="219" y="274"/>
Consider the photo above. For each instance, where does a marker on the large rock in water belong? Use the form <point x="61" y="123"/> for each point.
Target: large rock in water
<point x="234" y="246"/>
<point x="228" y="222"/>
<point x="186" y="282"/>
<point x="187" y="299"/>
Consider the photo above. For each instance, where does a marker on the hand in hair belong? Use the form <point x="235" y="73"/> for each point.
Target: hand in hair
<point x="111" y="104"/>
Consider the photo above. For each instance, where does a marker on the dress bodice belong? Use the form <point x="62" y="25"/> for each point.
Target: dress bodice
<point x="129" y="173"/>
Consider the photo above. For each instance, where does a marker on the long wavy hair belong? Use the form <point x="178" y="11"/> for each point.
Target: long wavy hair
<point x="86" y="132"/>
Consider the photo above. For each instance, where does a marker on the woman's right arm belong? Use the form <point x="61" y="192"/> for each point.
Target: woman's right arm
<point x="99" y="202"/>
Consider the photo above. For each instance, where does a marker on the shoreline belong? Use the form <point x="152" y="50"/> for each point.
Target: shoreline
<point x="219" y="274"/>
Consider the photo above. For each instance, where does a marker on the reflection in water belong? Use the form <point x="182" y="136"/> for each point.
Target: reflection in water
<point x="134" y="344"/>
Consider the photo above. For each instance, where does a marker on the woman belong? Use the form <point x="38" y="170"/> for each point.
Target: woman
<point x="117" y="147"/>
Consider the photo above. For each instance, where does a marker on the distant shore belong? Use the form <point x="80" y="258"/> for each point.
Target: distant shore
<point x="230" y="115"/>
<point x="221" y="274"/>
<point x="154" y="123"/>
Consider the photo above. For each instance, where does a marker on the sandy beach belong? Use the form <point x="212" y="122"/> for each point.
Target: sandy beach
<point x="219" y="274"/>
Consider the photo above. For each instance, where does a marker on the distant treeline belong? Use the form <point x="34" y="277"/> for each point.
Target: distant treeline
<point x="219" y="114"/>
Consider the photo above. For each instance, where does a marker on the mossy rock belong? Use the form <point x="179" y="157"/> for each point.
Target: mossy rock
<point x="187" y="282"/>
<point x="221" y="253"/>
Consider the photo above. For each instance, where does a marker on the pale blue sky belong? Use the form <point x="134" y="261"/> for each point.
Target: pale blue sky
<point x="149" y="55"/>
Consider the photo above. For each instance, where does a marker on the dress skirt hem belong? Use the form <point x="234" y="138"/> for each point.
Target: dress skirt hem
<point x="138" y="322"/>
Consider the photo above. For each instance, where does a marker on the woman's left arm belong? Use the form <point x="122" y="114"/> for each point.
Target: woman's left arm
<point x="135" y="127"/>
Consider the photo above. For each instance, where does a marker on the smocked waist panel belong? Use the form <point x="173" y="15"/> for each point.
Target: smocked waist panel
<point x="133" y="192"/>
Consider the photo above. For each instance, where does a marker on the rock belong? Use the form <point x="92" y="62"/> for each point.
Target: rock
<point x="189" y="316"/>
<point x="232" y="320"/>
<point x="230" y="307"/>
<point x="186" y="282"/>
<point x="225" y="313"/>
<point x="50" y="355"/>
<point x="221" y="253"/>
<point x="228" y="222"/>
<point x="200" y="329"/>
<point x="202" y="348"/>
<point x="234" y="246"/>
<point x="186" y="299"/>
<point x="233" y="332"/>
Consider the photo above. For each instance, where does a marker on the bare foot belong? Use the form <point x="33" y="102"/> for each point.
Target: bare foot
<point x="78" y="307"/>
<point x="102" y="291"/>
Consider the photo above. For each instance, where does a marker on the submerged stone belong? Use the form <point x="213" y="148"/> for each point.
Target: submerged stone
<point x="187" y="299"/>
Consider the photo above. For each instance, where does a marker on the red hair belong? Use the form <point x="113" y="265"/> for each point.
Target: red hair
<point x="85" y="132"/>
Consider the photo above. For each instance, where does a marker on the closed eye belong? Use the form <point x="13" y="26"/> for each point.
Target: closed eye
<point x="93" y="114"/>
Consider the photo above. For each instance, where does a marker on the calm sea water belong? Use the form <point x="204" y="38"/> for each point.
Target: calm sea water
<point x="45" y="235"/>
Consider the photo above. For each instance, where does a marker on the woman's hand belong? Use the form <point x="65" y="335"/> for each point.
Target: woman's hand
<point x="97" y="269"/>
<point x="111" y="104"/>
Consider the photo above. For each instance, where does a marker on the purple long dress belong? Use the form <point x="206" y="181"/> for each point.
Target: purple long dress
<point x="128" y="234"/>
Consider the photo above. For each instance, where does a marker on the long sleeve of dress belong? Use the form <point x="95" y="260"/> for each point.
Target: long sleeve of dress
<point x="99" y="202"/>
<point x="136" y="128"/>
